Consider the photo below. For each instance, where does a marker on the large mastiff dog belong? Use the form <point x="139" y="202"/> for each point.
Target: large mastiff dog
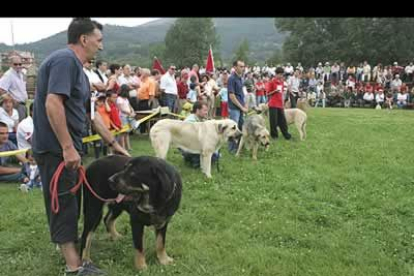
<point x="254" y="134"/>
<point x="148" y="188"/>
<point x="202" y="138"/>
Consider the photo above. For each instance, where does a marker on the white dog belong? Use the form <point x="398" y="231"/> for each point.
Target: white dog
<point x="202" y="138"/>
<point x="293" y="115"/>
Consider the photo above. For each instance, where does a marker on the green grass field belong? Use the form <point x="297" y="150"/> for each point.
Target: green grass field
<point x="339" y="203"/>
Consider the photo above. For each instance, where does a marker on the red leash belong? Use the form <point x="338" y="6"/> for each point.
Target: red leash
<point x="82" y="180"/>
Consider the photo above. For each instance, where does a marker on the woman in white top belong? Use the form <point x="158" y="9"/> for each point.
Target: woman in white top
<point x="10" y="116"/>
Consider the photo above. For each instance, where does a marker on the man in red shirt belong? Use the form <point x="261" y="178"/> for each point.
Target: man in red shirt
<point x="182" y="90"/>
<point x="276" y="108"/>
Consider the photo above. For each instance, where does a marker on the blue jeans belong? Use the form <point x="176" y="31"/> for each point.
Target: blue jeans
<point x="237" y="116"/>
<point x="15" y="177"/>
<point x="260" y="99"/>
<point x="169" y="100"/>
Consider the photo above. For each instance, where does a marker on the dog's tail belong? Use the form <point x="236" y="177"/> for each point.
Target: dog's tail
<point x="303" y="127"/>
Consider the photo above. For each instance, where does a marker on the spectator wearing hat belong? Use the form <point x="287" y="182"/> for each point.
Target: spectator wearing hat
<point x="10" y="116"/>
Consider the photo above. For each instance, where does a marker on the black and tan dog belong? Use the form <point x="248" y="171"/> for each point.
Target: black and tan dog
<point x="148" y="188"/>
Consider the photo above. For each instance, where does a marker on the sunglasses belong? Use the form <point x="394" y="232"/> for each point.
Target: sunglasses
<point x="17" y="64"/>
<point x="172" y="68"/>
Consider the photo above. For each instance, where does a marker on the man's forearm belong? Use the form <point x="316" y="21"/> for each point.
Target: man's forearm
<point x="9" y="170"/>
<point x="235" y="101"/>
<point x="57" y="118"/>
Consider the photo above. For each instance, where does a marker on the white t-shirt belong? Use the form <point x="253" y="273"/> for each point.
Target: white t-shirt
<point x="11" y="121"/>
<point x="379" y="97"/>
<point x="401" y="97"/>
<point x="24" y="133"/>
<point x="123" y="106"/>
<point x="169" y="84"/>
<point x="367" y="69"/>
<point x="104" y="77"/>
<point x="409" y="69"/>
<point x="368" y="96"/>
<point x="92" y="76"/>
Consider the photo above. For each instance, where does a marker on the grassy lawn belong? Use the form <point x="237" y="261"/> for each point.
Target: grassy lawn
<point x="339" y="203"/>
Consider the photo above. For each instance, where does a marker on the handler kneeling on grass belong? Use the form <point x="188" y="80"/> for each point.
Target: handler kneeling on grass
<point x="59" y="118"/>
<point x="199" y="114"/>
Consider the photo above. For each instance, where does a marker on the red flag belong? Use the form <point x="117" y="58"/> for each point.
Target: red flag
<point x="157" y="65"/>
<point x="210" y="61"/>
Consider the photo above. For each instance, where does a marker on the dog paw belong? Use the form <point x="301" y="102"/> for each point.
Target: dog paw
<point x="141" y="266"/>
<point x="165" y="260"/>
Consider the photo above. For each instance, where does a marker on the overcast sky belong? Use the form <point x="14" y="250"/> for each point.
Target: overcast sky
<point x="32" y="29"/>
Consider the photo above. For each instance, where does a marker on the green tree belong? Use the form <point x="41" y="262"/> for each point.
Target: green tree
<point x="312" y="40"/>
<point x="242" y="52"/>
<point x="188" y="41"/>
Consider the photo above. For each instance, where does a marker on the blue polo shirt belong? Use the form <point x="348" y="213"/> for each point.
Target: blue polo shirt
<point x="61" y="73"/>
<point x="235" y="86"/>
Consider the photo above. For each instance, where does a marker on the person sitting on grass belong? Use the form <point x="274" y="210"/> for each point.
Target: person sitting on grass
<point x="10" y="116"/>
<point x="10" y="173"/>
<point x="402" y="99"/>
<point x="33" y="173"/>
<point x="199" y="114"/>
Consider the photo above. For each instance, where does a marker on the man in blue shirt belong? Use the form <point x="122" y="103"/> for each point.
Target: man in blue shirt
<point x="8" y="173"/>
<point x="237" y="105"/>
<point x="59" y="118"/>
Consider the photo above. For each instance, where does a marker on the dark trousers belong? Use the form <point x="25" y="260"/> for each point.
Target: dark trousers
<point x="63" y="226"/>
<point x="277" y="119"/>
<point x="143" y="105"/>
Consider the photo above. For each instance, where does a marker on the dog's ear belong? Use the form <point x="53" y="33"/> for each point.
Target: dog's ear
<point x="221" y="128"/>
<point x="165" y="187"/>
